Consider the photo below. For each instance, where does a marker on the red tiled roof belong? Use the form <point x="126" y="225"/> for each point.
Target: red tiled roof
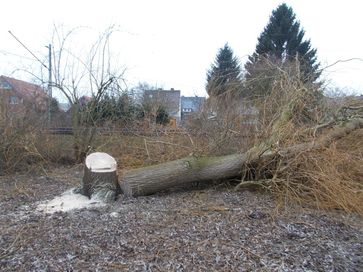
<point x="86" y="98"/>
<point x="25" y="89"/>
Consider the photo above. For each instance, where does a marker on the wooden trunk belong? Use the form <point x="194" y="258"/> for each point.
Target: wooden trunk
<point x="149" y="180"/>
<point x="100" y="179"/>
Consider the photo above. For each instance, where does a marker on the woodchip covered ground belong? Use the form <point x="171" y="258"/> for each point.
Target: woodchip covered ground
<point x="207" y="229"/>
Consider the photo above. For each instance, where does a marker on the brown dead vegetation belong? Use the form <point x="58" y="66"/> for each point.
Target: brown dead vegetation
<point x="325" y="170"/>
<point x="294" y="114"/>
<point x="329" y="177"/>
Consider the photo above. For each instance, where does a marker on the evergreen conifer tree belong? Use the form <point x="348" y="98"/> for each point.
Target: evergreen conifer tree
<point x="281" y="44"/>
<point x="224" y="74"/>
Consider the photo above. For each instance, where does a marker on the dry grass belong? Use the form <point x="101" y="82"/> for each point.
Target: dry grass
<point x="329" y="178"/>
<point x="19" y="145"/>
<point x="137" y="151"/>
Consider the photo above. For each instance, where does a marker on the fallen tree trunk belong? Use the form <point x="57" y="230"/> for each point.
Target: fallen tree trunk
<point x="149" y="180"/>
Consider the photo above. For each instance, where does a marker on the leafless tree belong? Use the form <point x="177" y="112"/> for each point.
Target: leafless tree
<point x="91" y="74"/>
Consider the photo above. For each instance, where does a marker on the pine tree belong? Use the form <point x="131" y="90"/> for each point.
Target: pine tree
<point x="224" y="74"/>
<point x="282" y="43"/>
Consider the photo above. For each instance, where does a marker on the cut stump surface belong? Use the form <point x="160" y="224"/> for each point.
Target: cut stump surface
<point x="100" y="177"/>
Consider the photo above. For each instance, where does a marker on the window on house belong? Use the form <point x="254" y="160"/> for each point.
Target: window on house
<point x="14" y="100"/>
<point x="4" y="85"/>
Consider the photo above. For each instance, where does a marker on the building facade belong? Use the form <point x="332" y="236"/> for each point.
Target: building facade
<point x="169" y="99"/>
<point x="190" y="106"/>
<point x="18" y="96"/>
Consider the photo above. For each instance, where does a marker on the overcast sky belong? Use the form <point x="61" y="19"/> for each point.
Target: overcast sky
<point x="171" y="44"/>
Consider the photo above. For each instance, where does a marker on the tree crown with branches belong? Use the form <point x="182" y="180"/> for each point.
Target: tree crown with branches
<point x="224" y="74"/>
<point x="282" y="43"/>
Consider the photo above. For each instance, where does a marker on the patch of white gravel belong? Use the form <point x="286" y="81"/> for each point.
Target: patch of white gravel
<point x="68" y="201"/>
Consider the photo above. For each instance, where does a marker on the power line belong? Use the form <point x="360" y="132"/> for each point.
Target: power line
<point x="27" y="49"/>
<point x="49" y="68"/>
<point x="341" y="61"/>
<point x="13" y="54"/>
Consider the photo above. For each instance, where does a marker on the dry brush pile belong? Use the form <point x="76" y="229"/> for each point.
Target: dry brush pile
<point x="19" y="140"/>
<point x="316" y="147"/>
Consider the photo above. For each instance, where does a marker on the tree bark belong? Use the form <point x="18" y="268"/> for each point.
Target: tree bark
<point x="152" y="179"/>
<point x="149" y="180"/>
<point x="100" y="177"/>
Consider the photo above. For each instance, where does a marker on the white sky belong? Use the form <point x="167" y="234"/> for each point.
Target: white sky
<point x="172" y="43"/>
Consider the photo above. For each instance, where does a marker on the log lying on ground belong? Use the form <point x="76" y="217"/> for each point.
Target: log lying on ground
<point x="149" y="180"/>
<point x="100" y="177"/>
<point x="152" y="179"/>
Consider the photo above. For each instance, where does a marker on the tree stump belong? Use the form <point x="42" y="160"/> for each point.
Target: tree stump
<point x="100" y="177"/>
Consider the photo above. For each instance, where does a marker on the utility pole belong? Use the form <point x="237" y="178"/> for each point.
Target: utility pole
<point x="49" y="82"/>
<point x="49" y="68"/>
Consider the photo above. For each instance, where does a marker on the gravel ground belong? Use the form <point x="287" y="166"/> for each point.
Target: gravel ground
<point x="207" y="229"/>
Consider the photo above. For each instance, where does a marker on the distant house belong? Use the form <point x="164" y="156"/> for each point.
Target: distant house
<point x="239" y="115"/>
<point x="64" y="107"/>
<point x="84" y="100"/>
<point x="190" y="105"/>
<point x="17" y="95"/>
<point x="170" y="99"/>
